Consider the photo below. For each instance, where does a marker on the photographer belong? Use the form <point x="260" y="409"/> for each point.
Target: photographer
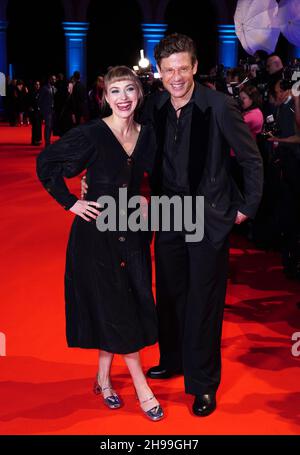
<point x="295" y="139"/>
<point x="256" y="68"/>
<point x="251" y="103"/>
<point x="287" y="159"/>
<point x="215" y="79"/>
<point x="274" y="67"/>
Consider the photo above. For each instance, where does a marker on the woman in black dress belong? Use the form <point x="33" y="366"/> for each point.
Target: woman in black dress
<point x="109" y="301"/>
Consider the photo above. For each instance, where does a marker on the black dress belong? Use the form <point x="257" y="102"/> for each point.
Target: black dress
<point x="109" y="301"/>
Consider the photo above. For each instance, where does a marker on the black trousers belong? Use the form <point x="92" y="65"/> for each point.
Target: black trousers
<point x="49" y="121"/>
<point x="190" y="290"/>
<point x="36" y="127"/>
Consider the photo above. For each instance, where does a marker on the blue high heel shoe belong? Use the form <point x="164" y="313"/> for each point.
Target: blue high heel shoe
<point x="113" y="401"/>
<point x="156" y="413"/>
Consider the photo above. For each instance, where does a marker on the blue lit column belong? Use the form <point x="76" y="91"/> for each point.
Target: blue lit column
<point x="228" y="45"/>
<point x="75" y="33"/>
<point x="3" y="61"/>
<point x="152" y="34"/>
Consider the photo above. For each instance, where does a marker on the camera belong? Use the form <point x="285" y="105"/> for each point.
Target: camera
<point x="256" y="69"/>
<point x="216" y="77"/>
<point x="270" y="127"/>
<point x="234" y="89"/>
<point x="247" y="62"/>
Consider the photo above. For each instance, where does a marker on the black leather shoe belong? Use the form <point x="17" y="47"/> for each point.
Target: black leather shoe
<point x="160" y="372"/>
<point x="204" y="405"/>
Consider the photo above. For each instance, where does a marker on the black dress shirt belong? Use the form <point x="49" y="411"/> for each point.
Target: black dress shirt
<point x="176" y="149"/>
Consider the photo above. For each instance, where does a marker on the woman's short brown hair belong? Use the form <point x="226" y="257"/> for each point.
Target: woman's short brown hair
<point x="253" y="94"/>
<point x="175" y="43"/>
<point x="122" y="73"/>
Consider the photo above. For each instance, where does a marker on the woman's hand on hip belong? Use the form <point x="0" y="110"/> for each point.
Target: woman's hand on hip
<point x="86" y="209"/>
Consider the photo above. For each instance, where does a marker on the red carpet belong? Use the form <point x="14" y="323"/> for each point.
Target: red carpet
<point x="45" y="387"/>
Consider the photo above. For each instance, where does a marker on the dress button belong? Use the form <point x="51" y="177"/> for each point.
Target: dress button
<point x="129" y="161"/>
<point x="213" y="205"/>
<point x="121" y="239"/>
<point x="122" y="264"/>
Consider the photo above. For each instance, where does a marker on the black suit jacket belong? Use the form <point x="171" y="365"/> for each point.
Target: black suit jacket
<point x="46" y="99"/>
<point x="217" y="126"/>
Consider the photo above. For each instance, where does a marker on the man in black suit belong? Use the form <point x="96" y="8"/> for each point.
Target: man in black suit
<point x="35" y="114"/>
<point x="195" y="128"/>
<point x="46" y="102"/>
<point x="79" y="101"/>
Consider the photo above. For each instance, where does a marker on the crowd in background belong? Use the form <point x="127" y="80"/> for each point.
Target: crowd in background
<point x="263" y="90"/>
<point x="60" y="103"/>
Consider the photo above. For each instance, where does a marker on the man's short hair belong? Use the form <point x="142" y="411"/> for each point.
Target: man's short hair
<point x="173" y="44"/>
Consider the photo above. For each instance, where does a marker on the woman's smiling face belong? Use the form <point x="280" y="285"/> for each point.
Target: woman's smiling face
<point x="122" y="97"/>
